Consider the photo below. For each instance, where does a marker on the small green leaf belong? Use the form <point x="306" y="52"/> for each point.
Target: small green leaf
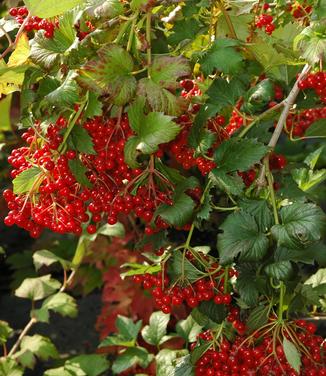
<point x="215" y="312"/>
<point x="116" y="341"/>
<point x="37" y="288"/>
<point x="127" y="328"/>
<point x="260" y="211"/>
<point x="79" y="172"/>
<point x="40" y="346"/>
<point x="156" y="330"/>
<point x="47" y="258"/>
<point x="61" y="303"/>
<point x="223" y="93"/>
<point x="9" y="367"/>
<point x="247" y="285"/>
<point x="5" y="332"/>
<point x="131" y="357"/>
<point x="280" y="270"/>
<point x="292" y="354"/>
<point x="188" y="329"/>
<point x="184" y="30"/>
<point x="116" y="230"/>
<point x="80" y="140"/>
<point x="199" y="351"/>
<point x="183" y="206"/>
<point x="241" y="236"/>
<point x="239" y="154"/>
<point x="179" y="264"/>
<point x="173" y="363"/>
<point x="317" y="129"/>
<point x="308" y="179"/>
<point x="67" y="94"/>
<point x="89" y="364"/>
<point x="223" y="57"/>
<point x="230" y="183"/>
<point x="302" y="224"/>
<point x="258" y="317"/>
<point x="94" y="106"/>
<point x="312" y="158"/>
<point x="317" y="279"/>
<point x="50" y="8"/>
<point x="26" y="180"/>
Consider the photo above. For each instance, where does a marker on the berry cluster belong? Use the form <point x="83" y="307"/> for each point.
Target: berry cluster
<point x="299" y="122"/>
<point x="205" y="289"/>
<point x="34" y="23"/>
<point x="299" y="11"/>
<point x="264" y="356"/>
<point x="317" y="82"/>
<point x="265" y="21"/>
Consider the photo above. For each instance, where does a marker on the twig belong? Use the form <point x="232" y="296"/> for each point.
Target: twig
<point x="7" y="35"/>
<point x="20" y="31"/>
<point x="288" y="103"/>
<point x="31" y="322"/>
<point x="172" y="14"/>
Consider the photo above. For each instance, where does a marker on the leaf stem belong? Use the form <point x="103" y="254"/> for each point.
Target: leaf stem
<point x="227" y="19"/>
<point x="220" y="208"/>
<point x="271" y="189"/>
<point x="72" y="124"/>
<point x="259" y="118"/>
<point x="148" y="39"/>
<point x="281" y="302"/>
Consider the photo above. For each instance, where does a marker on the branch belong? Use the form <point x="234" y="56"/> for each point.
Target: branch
<point x="12" y="45"/>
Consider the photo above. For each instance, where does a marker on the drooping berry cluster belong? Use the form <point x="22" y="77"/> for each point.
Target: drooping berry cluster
<point x="262" y="355"/>
<point x="34" y="23"/>
<point x="299" y="122"/>
<point x="265" y="21"/>
<point x="168" y="295"/>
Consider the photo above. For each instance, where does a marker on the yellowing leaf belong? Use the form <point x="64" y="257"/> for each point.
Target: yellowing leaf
<point x="10" y="82"/>
<point x="21" y="52"/>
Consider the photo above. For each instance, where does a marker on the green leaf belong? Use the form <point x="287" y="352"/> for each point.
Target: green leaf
<point x="215" y="312"/>
<point x="137" y="4"/>
<point x="178" y="265"/>
<point x="183" y="206"/>
<point x="47" y="258"/>
<point x="9" y="367"/>
<point x="50" y="8"/>
<point x="258" y="317"/>
<point x="127" y="328"/>
<point x="292" y="354"/>
<point x="110" y="74"/>
<point x="60" y="371"/>
<point x="312" y="158"/>
<point x="40" y="346"/>
<point x="116" y="341"/>
<point x="205" y="209"/>
<point x="222" y="56"/>
<point x="184" y="30"/>
<point x="25" y="181"/>
<point x="106" y="9"/>
<point x="116" y="230"/>
<point x="317" y="129"/>
<point x="239" y="154"/>
<point x="199" y="351"/>
<point x="302" y="224"/>
<point x="90" y="365"/>
<point x="247" y="285"/>
<point x="94" y="106"/>
<point x="159" y="98"/>
<point x="173" y="363"/>
<point x="37" y="288"/>
<point x="317" y="279"/>
<point x="5" y="332"/>
<point x="79" y="171"/>
<point x="223" y="93"/>
<point x="67" y="94"/>
<point x="46" y="52"/>
<point x="258" y="97"/>
<point x="241" y="236"/>
<point x="80" y="140"/>
<point x="156" y="330"/>
<point x="309" y="255"/>
<point x="131" y="357"/>
<point x="280" y="270"/>
<point x="230" y="183"/>
<point x="188" y="329"/>
<point x="165" y="70"/>
<point x="261" y="212"/>
<point x="136" y="269"/>
<point x="308" y="179"/>
<point x="61" y="303"/>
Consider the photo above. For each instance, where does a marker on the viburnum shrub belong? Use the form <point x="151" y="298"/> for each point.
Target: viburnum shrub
<point x="199" y="125"/>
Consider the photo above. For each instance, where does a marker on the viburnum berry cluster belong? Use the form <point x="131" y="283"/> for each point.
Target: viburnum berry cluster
<point x="195" y="131"/>
<point x="33" y="23"/>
